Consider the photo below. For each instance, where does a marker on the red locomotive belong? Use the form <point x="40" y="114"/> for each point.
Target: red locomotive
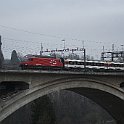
<point x="43" y="63"/>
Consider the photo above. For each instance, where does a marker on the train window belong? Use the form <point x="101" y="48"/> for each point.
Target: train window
<point x="91" y="63"/>
<point x="71" y="63"/>
<point x="75" y="63"/>
<point x="120" y="65"/>
<point x="88" y="63"/>
<point x="100" y="64"/>
<point x="116" y="65"/>
<point x="96" y="64"/>
<point x="80" y="63"/>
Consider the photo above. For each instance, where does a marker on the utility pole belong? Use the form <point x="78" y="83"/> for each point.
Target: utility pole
<point x="103" y="49"/>
<point x="41" y="51"/>
<point x="102" y="54"/>
<point x="122" y="52"/>
<point x="84" y="55"/>
<point x="84" y="58"/>
<point x="83" y="43"/>
<point x="63" y="47"/>
<point x="112" y="56"/>
<point x="113" y="47"/>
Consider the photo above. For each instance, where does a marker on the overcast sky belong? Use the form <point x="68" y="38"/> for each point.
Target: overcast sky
<point x="24" y="24"/>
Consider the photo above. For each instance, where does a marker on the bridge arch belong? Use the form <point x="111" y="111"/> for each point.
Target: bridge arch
<point x="108" y="96"/>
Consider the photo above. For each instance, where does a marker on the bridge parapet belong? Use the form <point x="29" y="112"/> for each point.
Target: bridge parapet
<point x="35" y="77"/>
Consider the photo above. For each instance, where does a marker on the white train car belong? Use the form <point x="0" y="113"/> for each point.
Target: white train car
<point x="79" y="64"/>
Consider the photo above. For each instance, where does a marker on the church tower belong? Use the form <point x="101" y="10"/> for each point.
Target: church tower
<point x="0" y="42"/>
<point x="1" y="54"/>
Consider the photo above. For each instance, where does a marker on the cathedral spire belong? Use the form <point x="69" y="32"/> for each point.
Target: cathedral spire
<point x="0" y="42"/>
<point x="1" y="54"/>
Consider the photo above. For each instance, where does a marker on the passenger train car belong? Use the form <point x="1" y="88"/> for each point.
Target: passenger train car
<point x="99" y="65"/>
<point x="68" y="64"/>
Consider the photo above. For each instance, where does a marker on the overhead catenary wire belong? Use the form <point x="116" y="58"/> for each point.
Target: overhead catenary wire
<point x="30" y="32"/>
<point x="46" y="35"/>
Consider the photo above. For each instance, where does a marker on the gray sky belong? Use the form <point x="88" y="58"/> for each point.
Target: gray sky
<point x="96" y="22"/>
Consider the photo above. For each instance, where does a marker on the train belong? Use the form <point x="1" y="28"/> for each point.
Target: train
<point x="44" y="63"/>
<point x="94" y="65"/>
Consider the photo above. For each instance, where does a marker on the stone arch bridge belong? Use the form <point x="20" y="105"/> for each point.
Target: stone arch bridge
<point x="106" y="89"/>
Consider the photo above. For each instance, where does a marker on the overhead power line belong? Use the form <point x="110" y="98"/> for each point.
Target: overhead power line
<point x="26" y="31"/>
<point x="4" y="38"/>
<point x="41" y="34"/>
<point x="47" y="35"/>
